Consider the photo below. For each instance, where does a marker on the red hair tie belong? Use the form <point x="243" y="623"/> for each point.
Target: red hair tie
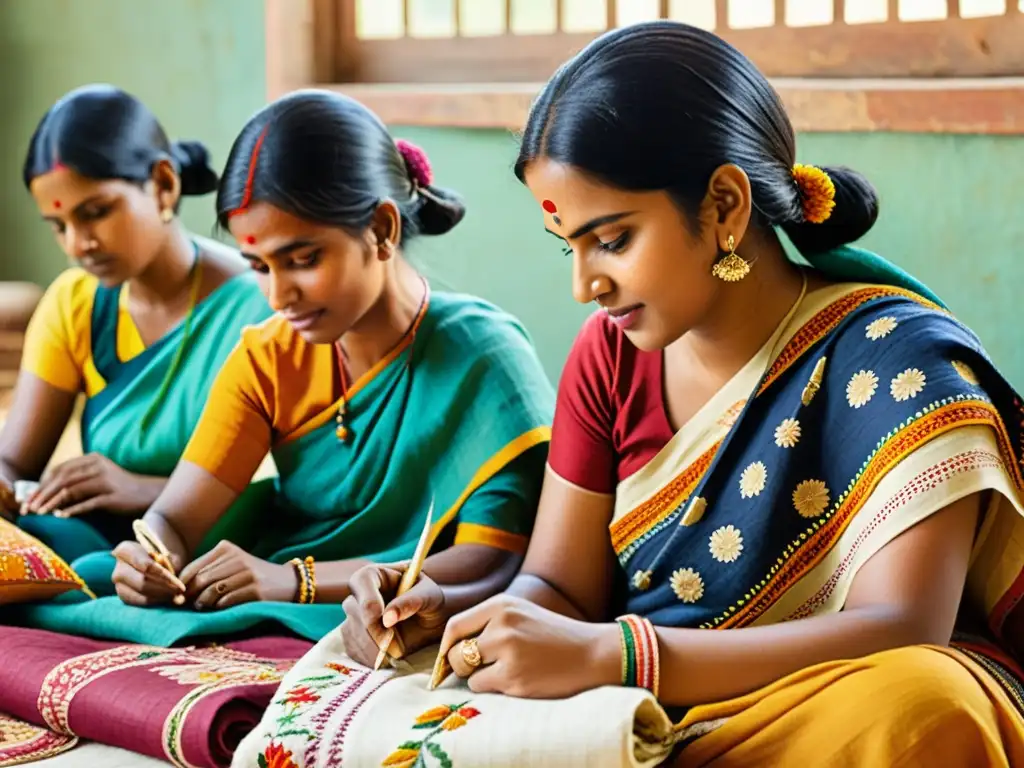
<point x="416" y="162"/>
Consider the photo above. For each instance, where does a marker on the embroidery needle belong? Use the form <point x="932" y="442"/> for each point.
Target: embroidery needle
<point x="156" y="549"/>
<point x="409" y="579"/>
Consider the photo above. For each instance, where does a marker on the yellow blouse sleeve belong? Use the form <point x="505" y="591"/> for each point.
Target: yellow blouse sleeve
<point x="234" y="433"/>
<point x="57" y="339"/>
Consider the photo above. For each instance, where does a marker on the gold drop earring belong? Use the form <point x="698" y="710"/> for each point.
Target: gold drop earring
<point x="166" y="215"/>
<point x="733" y="267"/>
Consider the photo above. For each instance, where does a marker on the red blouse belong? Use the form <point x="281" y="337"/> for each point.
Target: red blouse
<point x="610" y="417"/>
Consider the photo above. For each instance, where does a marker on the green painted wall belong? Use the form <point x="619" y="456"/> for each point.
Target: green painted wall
<point x="950" y="215"/>
<point x="949" y="202"/>
<point x="198" y="64"/>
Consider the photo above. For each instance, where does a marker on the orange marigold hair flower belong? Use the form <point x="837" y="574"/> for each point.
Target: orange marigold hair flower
<point x="817" y="192"/>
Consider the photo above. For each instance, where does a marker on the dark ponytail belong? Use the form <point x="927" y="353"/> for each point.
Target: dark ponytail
<point x="327" y="158"/>
<point x="660" y="105"/>
<point x="193" y="159"/>
<point x="101" y="132"/>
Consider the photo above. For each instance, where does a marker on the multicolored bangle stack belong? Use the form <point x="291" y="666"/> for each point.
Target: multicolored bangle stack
<point x="306" y="571"/>
<point x="641" y="666"/>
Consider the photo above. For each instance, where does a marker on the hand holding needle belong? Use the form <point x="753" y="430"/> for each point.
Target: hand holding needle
<point x="409" y="579"/>
<point x="160" y="554"/>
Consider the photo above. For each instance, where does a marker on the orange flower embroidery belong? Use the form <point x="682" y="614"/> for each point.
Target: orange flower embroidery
<point x="301" y="694"/>
<point x="340" y="668"/>
<point x="276" y="756"/>
<point x="433" y="716"/>
<point x="436" y="720"/>
<point x="401" y="758"/>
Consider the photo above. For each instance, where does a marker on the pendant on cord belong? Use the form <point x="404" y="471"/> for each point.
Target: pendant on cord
<point x="342" y="431"/>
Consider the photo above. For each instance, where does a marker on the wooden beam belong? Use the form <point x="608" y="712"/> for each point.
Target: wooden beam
<point x="958" y="106"/>
<point x="982" y="47"/>
<point x="721" y="15"/>
<point x="290" y="40"/>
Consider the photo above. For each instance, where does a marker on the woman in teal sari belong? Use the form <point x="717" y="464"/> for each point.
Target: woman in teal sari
<point x="379" y="398"/>
<point x="138" y="326"/>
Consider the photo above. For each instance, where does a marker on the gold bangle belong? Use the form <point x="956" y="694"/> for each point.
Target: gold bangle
<point x="300" y="572"/>
<point x="311" y="571"/>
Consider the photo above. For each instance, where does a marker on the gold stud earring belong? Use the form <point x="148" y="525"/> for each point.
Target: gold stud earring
<point x="166" y="215"/>
<point x="733" y="267"/>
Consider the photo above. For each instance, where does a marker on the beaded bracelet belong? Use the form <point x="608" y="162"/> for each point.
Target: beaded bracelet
<point x="641" y="666"/>
<point x="306" y="571"/>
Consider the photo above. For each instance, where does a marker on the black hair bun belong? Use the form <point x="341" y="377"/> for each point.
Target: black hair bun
<point x="854" y="214"/>
<point x="439" y="211"/>
<point x="197" y="176"/>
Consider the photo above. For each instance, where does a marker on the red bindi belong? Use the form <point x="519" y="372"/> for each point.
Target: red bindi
<point x="550" y="207"/>
<point x="250" y="240"/>
<point x="57" y="204"/>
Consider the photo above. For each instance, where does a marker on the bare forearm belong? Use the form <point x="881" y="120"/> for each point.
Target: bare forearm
<point x="468" y="574"/>
<point x="147" y="489"/>
<point x="8" y="473"/>
<point x="332" y="579"/>
<point x="540" y="592"/>
<point x="702" y="666"/>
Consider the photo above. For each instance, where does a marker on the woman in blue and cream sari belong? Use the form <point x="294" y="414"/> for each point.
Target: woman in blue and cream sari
<point x="139" y="326"/>
<point x="785" y="501"/>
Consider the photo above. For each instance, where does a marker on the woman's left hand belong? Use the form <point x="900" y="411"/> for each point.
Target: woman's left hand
<point x="227" y="575"/>
<point x="531" y="652"/>
<point x="85" y="484"/>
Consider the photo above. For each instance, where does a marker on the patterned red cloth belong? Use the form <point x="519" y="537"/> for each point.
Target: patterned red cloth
<point x="191" y="706"/>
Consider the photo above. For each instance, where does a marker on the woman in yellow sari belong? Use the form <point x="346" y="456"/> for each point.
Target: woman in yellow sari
<point x="786" y="500"/>
<point x="139" y="324"/>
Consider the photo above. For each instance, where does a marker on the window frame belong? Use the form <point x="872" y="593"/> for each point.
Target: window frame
<point x="951" y="76"/>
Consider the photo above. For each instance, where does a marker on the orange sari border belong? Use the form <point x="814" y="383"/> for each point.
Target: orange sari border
<point x="826" y="321"/>
<point x="513" y="450"/>
<point x="641" y="520"/>
<point x="819" y="538"/>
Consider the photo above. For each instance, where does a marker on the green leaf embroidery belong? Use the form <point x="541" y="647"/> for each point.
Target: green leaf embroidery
<point x="148" y="655"/>
<point x="293" y="732"/>
<point x="261" y="761"/>
<point x="427" y="726"/>
<point x="439" y="754"/>
<point x="411" y="745"/>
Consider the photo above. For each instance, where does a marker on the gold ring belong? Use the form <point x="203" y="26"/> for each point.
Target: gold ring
<point x="221" y="588"/>
<point x="471" y="653"/>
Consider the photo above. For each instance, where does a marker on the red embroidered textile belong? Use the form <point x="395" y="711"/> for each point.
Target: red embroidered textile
<point x="190" y="706"/>
<point x="610" y="415"/>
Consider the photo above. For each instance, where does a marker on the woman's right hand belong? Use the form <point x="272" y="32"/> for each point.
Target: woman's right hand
<point x="372" y="609"/>
<point x="141" y="581"/>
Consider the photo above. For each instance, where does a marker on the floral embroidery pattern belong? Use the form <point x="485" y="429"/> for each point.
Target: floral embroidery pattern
<point x="907" y="385"/>
<point x="276" y="756"/>
<point x="787" y="434"/>
<point x="811" y="498"/>
<point x="861" y="388"/>
<point x="436" y="720"/>
<point x="880" y="328"/>
<point x="966" y="372"/>
<point x="688" y="585"/>
<point x="24" y="743"/>
<point x="306" y="692"/>
<point x="726" y="544"/>
<point x="753" y="480"/>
